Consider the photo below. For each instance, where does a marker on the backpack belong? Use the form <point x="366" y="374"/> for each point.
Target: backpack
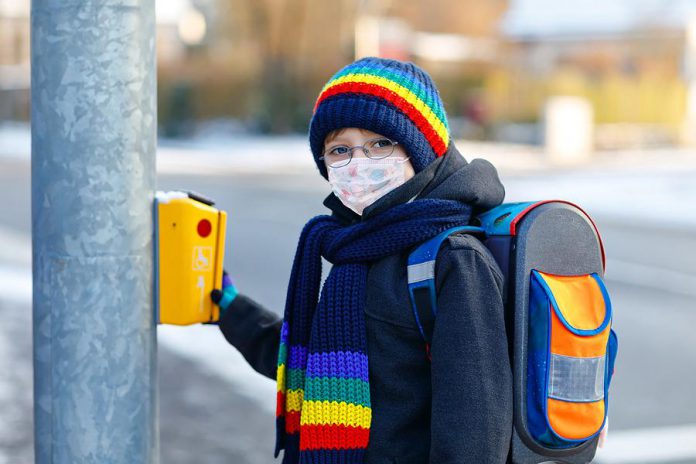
<point x="558" y="318"/>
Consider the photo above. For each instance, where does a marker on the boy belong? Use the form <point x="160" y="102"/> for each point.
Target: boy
<point x="355" y="382"/>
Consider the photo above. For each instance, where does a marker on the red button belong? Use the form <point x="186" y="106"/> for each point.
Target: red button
<point x="204" y="228"/>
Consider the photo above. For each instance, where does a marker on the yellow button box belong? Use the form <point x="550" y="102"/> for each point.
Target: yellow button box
<point x="189" y="251"/>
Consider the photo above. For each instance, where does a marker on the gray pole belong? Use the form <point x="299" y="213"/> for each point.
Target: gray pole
<point x="93" y="178"/>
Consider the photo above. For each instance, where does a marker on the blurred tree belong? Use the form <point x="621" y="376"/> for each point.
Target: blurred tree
<point x="280" y="31"/>
<point x="286" y="49"/>
<point x="179" y="111"/>
<point x="265" y="61"/>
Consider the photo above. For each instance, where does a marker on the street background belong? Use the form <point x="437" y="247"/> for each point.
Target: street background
<point x="236" y="84"/>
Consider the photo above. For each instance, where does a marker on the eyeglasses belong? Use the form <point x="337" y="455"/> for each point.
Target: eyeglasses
<point x="375" y="149"/>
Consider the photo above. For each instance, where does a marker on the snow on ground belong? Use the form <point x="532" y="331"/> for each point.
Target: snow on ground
<point x="15" y="141"/>
<point x="667" y="197"/>
<point x="15" y="346"/>
<point x="203" y="343"/>
<point x="656" y="185"/>
<point x="659" y="186"/>
<point x="657" y="445"/>
<point x="206" y="345"/>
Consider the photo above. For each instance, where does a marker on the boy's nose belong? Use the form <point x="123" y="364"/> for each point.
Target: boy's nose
<point x="359" y="152"/>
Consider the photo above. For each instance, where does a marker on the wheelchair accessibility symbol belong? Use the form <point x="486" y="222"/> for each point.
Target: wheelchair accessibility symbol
<point x="202" y="258"/>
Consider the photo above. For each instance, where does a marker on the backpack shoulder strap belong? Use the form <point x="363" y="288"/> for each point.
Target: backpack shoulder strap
<point x="421" y="279"/>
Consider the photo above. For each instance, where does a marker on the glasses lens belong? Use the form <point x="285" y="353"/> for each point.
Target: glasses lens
<point x="379" y="148"/>
<point x="338" y="156"/>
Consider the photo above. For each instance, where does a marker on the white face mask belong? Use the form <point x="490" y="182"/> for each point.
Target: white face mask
<point x="363" y="181"/>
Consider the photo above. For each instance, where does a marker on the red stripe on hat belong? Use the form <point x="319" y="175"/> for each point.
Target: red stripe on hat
<point x="333" y="437"/>
<point x="416" y="116"/>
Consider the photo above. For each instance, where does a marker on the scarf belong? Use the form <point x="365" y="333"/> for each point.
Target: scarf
<point x="323" y="412"/>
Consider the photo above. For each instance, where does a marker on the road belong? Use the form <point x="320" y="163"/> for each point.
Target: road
<point x="655" y="380"/>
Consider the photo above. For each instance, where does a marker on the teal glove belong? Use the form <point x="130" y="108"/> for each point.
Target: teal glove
<point x="223" y="298"/>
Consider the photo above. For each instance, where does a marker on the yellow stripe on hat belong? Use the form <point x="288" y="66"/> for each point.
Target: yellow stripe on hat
<point x="334" y="413"/>
<point x="401" y="91"/>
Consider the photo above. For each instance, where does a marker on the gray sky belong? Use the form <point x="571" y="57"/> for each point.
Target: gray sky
<point x="565" y="17"/>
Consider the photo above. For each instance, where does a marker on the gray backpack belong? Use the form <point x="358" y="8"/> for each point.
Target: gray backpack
<point x="558" y="316"/>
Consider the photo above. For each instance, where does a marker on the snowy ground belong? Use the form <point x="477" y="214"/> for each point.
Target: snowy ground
<point x="639" y="188"/>
<point x="659" y="185"/>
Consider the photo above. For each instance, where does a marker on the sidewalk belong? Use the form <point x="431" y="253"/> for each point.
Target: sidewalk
<point x="16" y="424"/>
<point x="203" y="419"/>
<point x="205" y="416"/>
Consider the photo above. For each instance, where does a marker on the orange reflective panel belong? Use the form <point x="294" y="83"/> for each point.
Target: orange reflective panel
<point x="566" y="343"/>
<point x="575" y="421"/>
<point x="579" y="299"/>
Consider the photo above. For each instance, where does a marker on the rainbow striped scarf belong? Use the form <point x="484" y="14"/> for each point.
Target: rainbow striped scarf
<point x="323" y="400"/>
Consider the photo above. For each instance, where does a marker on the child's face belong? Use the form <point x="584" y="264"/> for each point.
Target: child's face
<point x="353" y="137"/>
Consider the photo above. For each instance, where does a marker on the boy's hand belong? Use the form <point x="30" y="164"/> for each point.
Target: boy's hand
<point x="223" y="298"/>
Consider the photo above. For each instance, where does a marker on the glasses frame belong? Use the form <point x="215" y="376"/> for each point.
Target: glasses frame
<point x="364" y="149"/>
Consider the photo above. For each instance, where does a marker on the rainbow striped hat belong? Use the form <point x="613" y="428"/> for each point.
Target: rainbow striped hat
<point x="393" y="98"/>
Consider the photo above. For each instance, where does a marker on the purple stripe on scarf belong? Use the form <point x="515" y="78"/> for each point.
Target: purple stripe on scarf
<point x="297" y="357"/>
<point x="284" y="330"/>
<point x="345" y="364"/>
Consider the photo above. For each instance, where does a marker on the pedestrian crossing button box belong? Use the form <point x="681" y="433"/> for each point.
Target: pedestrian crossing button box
<point x="189" y="252"/>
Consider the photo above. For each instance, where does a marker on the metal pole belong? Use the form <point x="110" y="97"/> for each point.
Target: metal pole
<point x="93" y="180"/>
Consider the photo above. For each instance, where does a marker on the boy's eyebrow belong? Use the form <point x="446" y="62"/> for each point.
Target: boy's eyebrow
<point x="336" y="139"/>
<point x="339" y="138"/>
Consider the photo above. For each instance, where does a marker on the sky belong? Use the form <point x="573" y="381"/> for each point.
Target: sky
<point x="553" y="17"/>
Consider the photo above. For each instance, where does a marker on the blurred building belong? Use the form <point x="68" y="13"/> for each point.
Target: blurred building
<point x="265" y="62"/>
<point x="457" y="42"/>
<point x="630" y="58"/>
<point x="259" y="65"/>
<point x="181" y="25"/>
<point x="14" y="60"/>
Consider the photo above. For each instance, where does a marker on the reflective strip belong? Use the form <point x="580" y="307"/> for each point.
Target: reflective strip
<point x="576" y="379"/>
<point x="420" y="272"/>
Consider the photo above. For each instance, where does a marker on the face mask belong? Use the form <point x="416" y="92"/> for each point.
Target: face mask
<point x="363" y="181"/>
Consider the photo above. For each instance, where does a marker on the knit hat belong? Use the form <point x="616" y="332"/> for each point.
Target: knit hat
<point x="393" y="98"/>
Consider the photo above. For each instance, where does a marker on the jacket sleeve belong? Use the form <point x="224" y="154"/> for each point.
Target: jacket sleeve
<point x="255" y="332"/>
<point x="471" y="374"/>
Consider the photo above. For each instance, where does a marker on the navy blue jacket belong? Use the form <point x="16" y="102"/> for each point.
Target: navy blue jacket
<point x="457" y="408"/>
